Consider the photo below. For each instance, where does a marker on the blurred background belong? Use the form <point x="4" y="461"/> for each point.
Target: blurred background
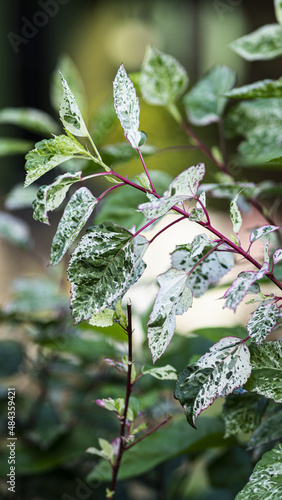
<point x="98" y="36"/>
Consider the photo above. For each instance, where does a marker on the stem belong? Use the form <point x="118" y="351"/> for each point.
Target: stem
<point x="110" y="189"/>
<point x="146" y="171"/>
<point x="94" y="147"/>
<point x="204" y="257"/>
<point x="165" y="228"/>
<point x="149" y="432"/>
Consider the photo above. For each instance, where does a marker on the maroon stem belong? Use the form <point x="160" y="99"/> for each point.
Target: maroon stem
<point x="146" y="171"/>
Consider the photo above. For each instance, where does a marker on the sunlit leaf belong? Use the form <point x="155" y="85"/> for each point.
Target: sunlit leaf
<point x="262" y="89"/>
<point x="262" y="321"/>
<point x="103" y="318"/>
<point x="266" y="480"/>
<point x="127" y="106"/>
<point x="266" y="360"/>
<point x="235" y="215"/>
<point x="262" y="231"/>
<point x="174" y="298"/>
<point x="263" y="43"/>
<point x="242" y="413"/>
<point x="107" y="261"/>
<point x="163" y="79"/>
<point x="14" y="230"/>
<point x="205" y="103"/>
<point x="70" y="114"/>
<point x="221" y="370"/>
<point x="240" y="287"/>
<point x="75" y="215"/>
<point x="162" y="372"/>
<point x="30" y="119"/>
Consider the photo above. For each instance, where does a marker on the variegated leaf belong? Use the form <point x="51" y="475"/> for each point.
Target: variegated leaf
<point x="269" y="430"/>
<point x="47" y="154"/>
<point x="235" y="215"/>
<point x="277" y="256"/>
<point x="103" y="318"/>
<point x="70" y="114"/>
<point x="75" y="215"/>
<point x="163" y="79"/>
<point x="50" y="197"/>
<point x="208" y="270"/>
<point x="184" y="186"/>
<point x="173" y="299"/>
<point x="265" y="482"/>
<point x="127" y="106"/>
<point x="167" y="372"/>
<point x="104" y="265"/>
<point x="262" y="231"/>
<point x="221" y="370"/>
<point x="242" y="412"/>
<point x="240" y="287"/>
<point x="262" y="44"/>
<point x="262" y="321"/>
<point x="266" y="375"/>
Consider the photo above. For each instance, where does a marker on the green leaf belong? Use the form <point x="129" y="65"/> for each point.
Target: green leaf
<point x="30" y="119"/>
<point x="207" y="270"/>
<point x="262" y="145"/>
<point x="205" y="103"/>
<point x="269" y="430"/>
<point x="174" y="298"/>
<point x="242" y="284"/>
<point x="10" y="146"/>
<point x="266" y="360"/>
<point x="107" y="449"/>
<point x="47" y="154"/>
<point x="163" y="79"/>
<point x="261" y="89"/>
<point x="184" y="186"/>
<point x="103" y="318"/>
<point x="127" y="106"/>
<point x="262" y="321"/>
<point x="70" y="114"/>
<point x="235" y="215"/>
<point x="14" y="230"/>
<point x="266" y="480"/>
<point x="20" y="197"/>
<point x="50" y="197"/>
<point x="107" y="261"/>
<point x="75" y="216"/>
<point x="242" y="413"/>
<point x="278" y="10"/>
<point x="167" y="372"/>
<point x="221" y="370"/>
<point x="67" y="67"/>
<point x="122" y="152"/>
<point x="262" y="44"/>
<point x="262" y="231"/>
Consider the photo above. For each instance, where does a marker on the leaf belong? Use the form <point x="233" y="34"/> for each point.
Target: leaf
<point x="20" y="197"/>
<point x="127" y="106"/>
<point x="207" y="270"/>
<point x="264" y="143"/>
<point x="278" y="10"/>
<point x="205" y="103"/>
<point x="162" y="372"/>
<point x="262" y="231"/>
<point x="184" y="186"/>
<point x="261" y="89"/>
<point x="269" y="430"/>
<point x="277" y="256"/>
<point x="70" y="114"/>
<point x="30" y="119"/>
<point x="174" y="298"/>
<point x="163" y="79"/>
<point x="105" y="264"/>
<point x="235" y="215"/>
<point x="68" y="68"/>
<point x="240" y="287"/>
<point x="262" y="44"/>
<point x="47" y="154"/>
<point x="221" y="370"/>
<point x="75" y="215"/>
<point x="107" y="449"/>
<point x="12" y="357"/>
<point x="123" y="152"/>
<point x="242" y="413"/>
<point x="50" y="197"/>
<point x="266" y="480"/>
<point x="14" y="230"/>
<point x="262" y="321"/>
<point x="266" y="360"/>
<point x="10" y="146"/>
<point x="103" y="318"/>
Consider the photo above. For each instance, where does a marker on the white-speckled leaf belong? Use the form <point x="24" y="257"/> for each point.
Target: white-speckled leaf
<point x="167" y="372"/>
<point x="262" y="231"/>
<point x="173" y="299"/>
<point x="262" y="321"/>
<point x="265" y="482"/>
<point x="269" y="431"/>
<point x="266" y="360"/>
<point x="242" y="413"/>
<point x="76" y="214"/>
<point x="127" y="106"/>
<point x="235" y="215"/>
<point x="277" y="256"/>
<point x="209" y="270"/>
<point x="70" y="114"/>
<point x="221" y="370"/>
<point x="239" y="288"/>
<point x="104" y="265"/>
<point x="263" y="43"/>
<point x="163" y="79"/>
<point x="50" y="197"/>
<point x="184" y="186"/>
<point x="47" y="154"/>
<point x="264" y="88"/>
